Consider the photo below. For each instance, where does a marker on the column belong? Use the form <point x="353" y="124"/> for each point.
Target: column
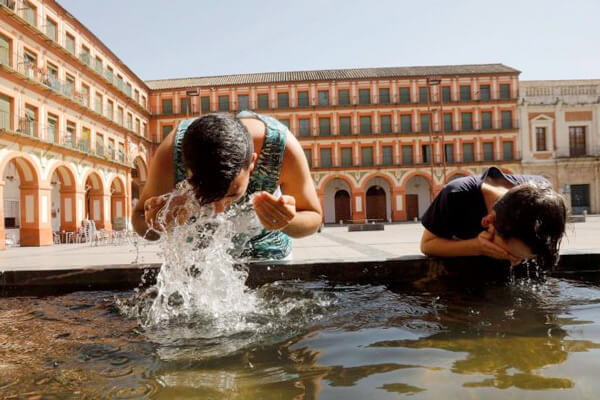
<point x="398" y="209"/>
<point x="36" y="229"/>
<point x="2" y="231"/>
<point x="68" y="211"/>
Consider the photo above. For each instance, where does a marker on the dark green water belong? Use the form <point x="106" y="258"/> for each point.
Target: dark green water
<point x="494" y="341"/>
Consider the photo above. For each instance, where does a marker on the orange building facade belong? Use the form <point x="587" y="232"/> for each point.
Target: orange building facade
<point x="73" y="127"/>
<point x="78" y="127"/>
<point x="381" y="142"/>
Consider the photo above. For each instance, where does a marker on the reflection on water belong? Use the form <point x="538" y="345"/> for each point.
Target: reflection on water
<point x="350" y="342"/>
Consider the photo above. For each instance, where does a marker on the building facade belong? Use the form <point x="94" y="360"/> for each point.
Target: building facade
<point x="74" y="123"/>
<point x="381" y="142"/>
<point x="560" y="137"/>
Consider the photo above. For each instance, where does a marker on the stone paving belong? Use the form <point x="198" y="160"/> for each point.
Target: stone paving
<point x="333" y="243"/>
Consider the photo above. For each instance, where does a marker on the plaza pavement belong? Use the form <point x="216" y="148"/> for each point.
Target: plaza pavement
<point x="333" y="243"/>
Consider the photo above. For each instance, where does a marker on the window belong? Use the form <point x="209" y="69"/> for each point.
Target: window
<point x="468" y="154"/>
<point x="423" y="95"/>
<point x="344" y="97"/>
<point x="486" y="120"/>
<point x="407" y="155"/>
<point x="406" y="123"/>
<point x="84" y="142"/>
<point x="51" y="29"/>
<point x="488" y="152"/>
<point x="184" y="105"/>
<point x="29" y="13"/>
<point x="347" y="157"/>
<point x="224" y="103"/>
<point x="446" y="94"/>
<point x="364" y="96"/>
<point x="577" y="141"/>
<point x="465" y="93"/>
<point x="205" y="104"/>
<point x="129" y="121"/>
<point x="143" y="101"/>
<point x="167" y="106"/>
<point x="425" y="122"/>
<point x="325" y="158"/>
<point x="387" y="156"/>
<point x="384" y="96"/>
<point x="144" y="129"/>
<point x="29" y="124"/>
<point x="98" y="103"/>
<point x="166" y="129"/>
<point x="52" y="77"/>
<point x="4" y="50"/>
<point x="366" y="156"/>
<point x="30" y="64"/>
<point x="120" y="83"/>
<point x="110" y="110"/>
<point x="85" y="95"/>
<point x="323" y="98"/>
<point x="109" y="73"/>
<point x="302" y="99"/>
<point x="540" y="139"/>
<point x="84" y="56"/>
<point x="243" y="102"/>
<point x="111" y="148"/>
<point x="505" y="91"/>
<point x="324" y="127"/>
<point x="386" y="124"/>
<point x="404" y="95"/>
<point x="507" y="151"/>
<point x="304" y="127"/>
<point x="69" y="87"/>
<point x="283" y="100"/>
<point x="99" y="145"/>
<point x="466" y="121"/>
<point x="365" y="125"/>
<point x="507" y="120"/>
<point x="345" y="126"/>
<point x="137" y="126"/>
<point x="70" y="134"/>
<point x="263" y="101"/>
<point x="136" y="96"/>
<point x="70" y="43"/>
<point x="98" y="65"/>
<point x="449" y="153"/>
<point x="448" y="122"/>
<point x="121" y="152"/>
<point x="128" y="89"/>
<point x="484" y="92"/>
<point x="308" y="155"/>
<point x="120" y="116"/>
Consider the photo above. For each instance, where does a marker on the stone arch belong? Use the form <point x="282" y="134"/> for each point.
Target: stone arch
<point x="118" y="196"/>
<point x="61" y="177"/>
<point x="368" y="178"/>
<point x="349" y="181"/>
<point x="330" y="190"/>
<point x="378" y="191"/>
<point x="25" y="220"/>
<point x="96" y="203"/>
<point x="418" y="195"/>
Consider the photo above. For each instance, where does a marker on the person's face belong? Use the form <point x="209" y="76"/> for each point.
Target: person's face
<point x="237" y="188"/>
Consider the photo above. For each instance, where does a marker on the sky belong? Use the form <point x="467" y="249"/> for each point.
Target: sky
<point x="159" y="39"/>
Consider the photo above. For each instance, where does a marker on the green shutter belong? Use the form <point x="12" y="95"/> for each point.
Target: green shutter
<point x="4" y="51"/>
<point x="4" y="112"/>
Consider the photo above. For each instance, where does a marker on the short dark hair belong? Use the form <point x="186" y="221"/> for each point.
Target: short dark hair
<point x="535" y="214"/>
<point x="216" y="147"/>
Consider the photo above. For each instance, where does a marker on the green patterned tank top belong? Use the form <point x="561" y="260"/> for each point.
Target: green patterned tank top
<point x="265" y="177"/>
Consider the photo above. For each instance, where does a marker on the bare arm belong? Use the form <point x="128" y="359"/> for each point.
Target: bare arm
<point x="297" y="182"/>
<point x="160" y="180"/>
<point x="482" y="245"/>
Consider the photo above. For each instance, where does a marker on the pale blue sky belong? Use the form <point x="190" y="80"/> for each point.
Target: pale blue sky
<point x="552" y="39"/>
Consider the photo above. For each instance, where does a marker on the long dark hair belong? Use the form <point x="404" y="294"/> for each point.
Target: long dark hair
<point x="535" y="214"/>
<point x="215" y="149"/>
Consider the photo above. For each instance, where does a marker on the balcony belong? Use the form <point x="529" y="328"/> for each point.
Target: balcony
<point x="577" y="152"/>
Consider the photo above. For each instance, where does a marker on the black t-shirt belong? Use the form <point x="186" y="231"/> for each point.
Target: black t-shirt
<point x="457" y="210"/>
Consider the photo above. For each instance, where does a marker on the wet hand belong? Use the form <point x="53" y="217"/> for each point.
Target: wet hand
<point x="274" y="213"/>
<point x="488" y="248"/>
<point x="177" y="213"/>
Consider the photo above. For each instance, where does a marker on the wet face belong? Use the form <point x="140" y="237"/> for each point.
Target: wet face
<point x="237" y="188"/>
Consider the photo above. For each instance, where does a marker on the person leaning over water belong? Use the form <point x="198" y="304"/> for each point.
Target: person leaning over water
<point x="510" y="217"/>
<point x="226" y="158"/>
